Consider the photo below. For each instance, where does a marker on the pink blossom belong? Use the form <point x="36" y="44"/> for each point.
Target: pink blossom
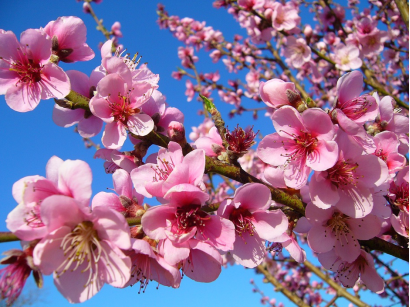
<point x="190" y="90"/>
<point x="211" y="143"/>
<point x="349" y="273"/>
<point x="127" y="201"/>
<point x="303" y="142"/>
<point x="88" y="125"/>
<point x="284" y="17"/>
<point x="331" y="229"/>
<point x="116" y="29"/>
<point x="349" y="184"/>
<point x="274" y="93"/>
<point x="201" y="130"/>
<point x="387" y="145"/>
<point x="171" y="169"/>
<point x="119" y="105"/>
<point x="162" y="115"/>
<point x="26" y="75"/>
<point x="13" y="277"/>
<point x="94" y="262"/>
<point x="400" y="223"/>
<point x="399" y="190"/>
<point x="182" y="219"/>
<point x="347" y="57"/>
<point x="297" y="52"/>
<point x="198" y="260"/>
<point x="69" y="35"/>
<point x="254" y="223"/>
<point x="116" y="160"/>
<point x="186" y="54"/>
<point x="69" y="178"/>
<point x="147" y="265"/>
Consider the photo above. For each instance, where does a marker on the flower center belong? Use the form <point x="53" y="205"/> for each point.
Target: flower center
<point x="33" y="217"/>
<point x="188" y="217"/>
<point x="162" y="170"/>
<point x="402" y="195"/>
<point x="343" y="174"/>
<point x="243" y="221"/>
<point x="121" y="108"/>
<point x="82" y="246"/>
<point x="29" y="71"/>
<point x="338" y="225"/>
<point x="301" y="146"/>
<point x="356" y="107"/>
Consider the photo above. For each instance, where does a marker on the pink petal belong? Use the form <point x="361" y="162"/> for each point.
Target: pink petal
<point x="350" y="86"/>
<point x="65" y="117"/>
<point x="287" y="121"/>
<point x="275" y="177"/>
<point x="270" y="224"/>
<point x="79" y="82"/>
<point x="140" y="124"/>
<point x="52" y="169"/>
<point x="324" y="157"/>
<point x="22" y="97"/>
<point x="54" y="81"/>
<point x="347" y="247"/>
<point x="218" y="232"/>
<point x="75" y="180"/>
<point x="365" y="228"/>
<point x="38" y="43"/>
<point x="355" y="202"/>
<point x="253" y="196"/>
<point x="114" y="135"/>
<point x="205" y="263"/>
<point x="322" y="192"/>
<point x="122" y="183"/>
<point x="116" y="270"/>
<point x="321" y="239"/>
<point x="58" y="211"/>
<point x="271" y="150"/>
<point x="89" y="127"/>
<point x="251" y="253"/>
<point x="105" y="199"/>
<point x="173" y="254"/>
<point x="154" y="221"/>
<point x="319" y="124"/>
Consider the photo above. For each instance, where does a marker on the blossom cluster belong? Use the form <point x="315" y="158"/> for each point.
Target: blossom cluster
<point x="344" y="164"/>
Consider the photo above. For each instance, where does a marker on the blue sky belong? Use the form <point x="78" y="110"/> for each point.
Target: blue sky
<point x="30" y="139"/>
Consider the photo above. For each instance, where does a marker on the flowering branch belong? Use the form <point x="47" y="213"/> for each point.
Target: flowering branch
<point x="279" y="287"/>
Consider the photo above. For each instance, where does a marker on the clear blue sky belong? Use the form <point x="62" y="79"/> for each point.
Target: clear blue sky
<point x="30" y="139"/>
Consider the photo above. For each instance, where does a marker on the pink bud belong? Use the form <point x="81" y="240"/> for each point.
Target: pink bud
<point x="308" y="31"/>
<point x="273" y="92"/>
<point x="176" y="132"/>
<point x="86" y="8"/>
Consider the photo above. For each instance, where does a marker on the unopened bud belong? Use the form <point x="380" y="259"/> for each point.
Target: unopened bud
<point x="295" y="100"/>
<point x="86" y="8"/>
<point x="176" y="132"/>
<point x="308" y="31"/>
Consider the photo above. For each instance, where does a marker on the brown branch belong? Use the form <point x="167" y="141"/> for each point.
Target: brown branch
<point x="279" y="287"/>
<point x="339" y="289"/>
<point x="403" y="7"/>
<point x="100" y="26"/>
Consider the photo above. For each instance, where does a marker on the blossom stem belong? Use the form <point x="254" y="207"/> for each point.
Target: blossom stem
<point x="100" y="26"/>
<point x="279" y="287"/>
<point x="339" y="289"/>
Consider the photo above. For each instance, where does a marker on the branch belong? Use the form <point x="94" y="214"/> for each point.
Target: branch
<point x="279" y="287"/>
<point x="404" y="11"/>
<point x="339" y="289"/>
<point x="387" y="247"/>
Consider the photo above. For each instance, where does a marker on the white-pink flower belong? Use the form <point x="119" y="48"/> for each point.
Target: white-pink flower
<point x="171" y="169"/>
<point x="347" y="57"/>
<point x="254" y="223"/>
<point x="297" y="52"/>
<point x="349" y="272"/>
<point x="119" y="105"/>
<point x="88" y="124"/>
<point x="83" y="247"/>
<point x="69" y="35"/>
<point x="331" y="229"/>
<point x="26" y="75"/>
<point x="148" y="265"/>
<point x="69" y="178"/>
<point x="301" y="143"/>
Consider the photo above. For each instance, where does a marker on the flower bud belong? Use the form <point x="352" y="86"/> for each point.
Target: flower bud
<point x="176" y="132"/>
<point x="274" y="92"/>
